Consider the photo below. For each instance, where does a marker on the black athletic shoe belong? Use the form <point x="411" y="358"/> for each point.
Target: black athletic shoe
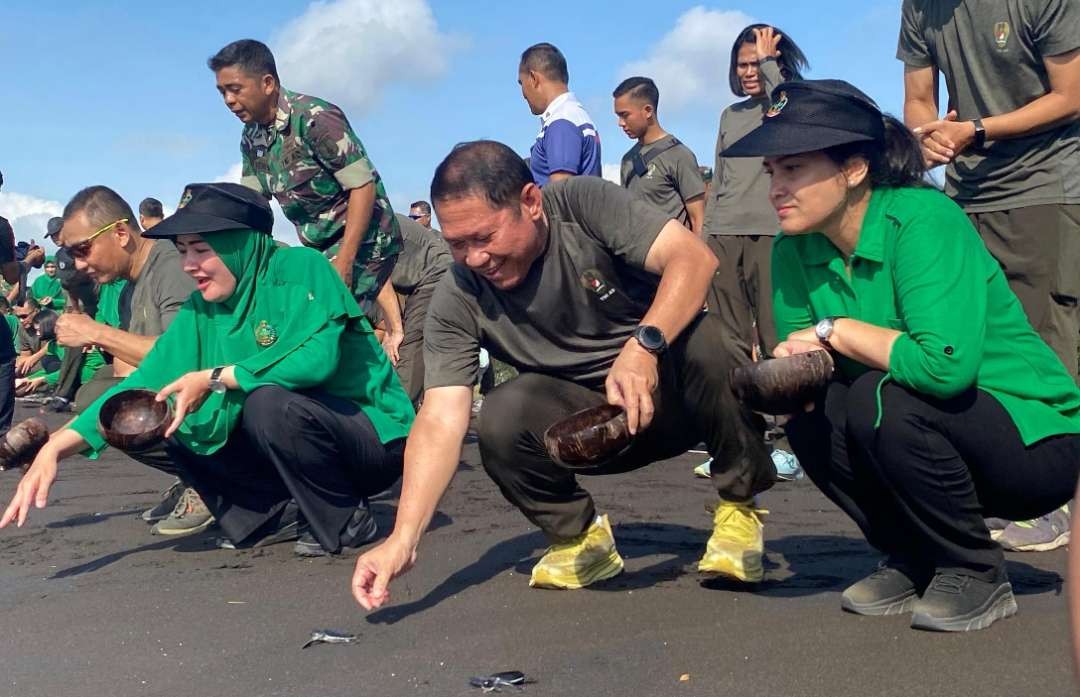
<point x="286" y="529"/>
<point x="360" y="530"/>
<point x="56" y="405"/>
<point x="959" y="603"/>
<point x="891" y="590"/>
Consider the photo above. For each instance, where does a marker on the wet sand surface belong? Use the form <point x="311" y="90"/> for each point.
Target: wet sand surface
<point x="92" y="604"/>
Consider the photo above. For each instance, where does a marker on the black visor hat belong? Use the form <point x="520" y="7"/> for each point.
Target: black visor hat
<point x="810" y="115"/>
<point x="208" y="208"/>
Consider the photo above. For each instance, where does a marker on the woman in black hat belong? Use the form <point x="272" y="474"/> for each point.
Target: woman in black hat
<point x="949" y="407"/>
<point x="287" y="411"/>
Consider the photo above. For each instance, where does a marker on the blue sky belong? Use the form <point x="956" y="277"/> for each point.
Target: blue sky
<point x="117" y="92"/>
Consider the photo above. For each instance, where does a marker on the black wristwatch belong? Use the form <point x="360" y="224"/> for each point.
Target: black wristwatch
<point x="651" y="339"/>
<point x="980" y="133"/>
<point x="217" y="386"/>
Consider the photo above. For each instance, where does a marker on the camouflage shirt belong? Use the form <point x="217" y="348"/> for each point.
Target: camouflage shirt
<point x="309" y="159"/>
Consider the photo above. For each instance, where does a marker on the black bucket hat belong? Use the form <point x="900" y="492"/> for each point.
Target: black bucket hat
<point x="809" y="115"/>
<point x="215" y="207"/>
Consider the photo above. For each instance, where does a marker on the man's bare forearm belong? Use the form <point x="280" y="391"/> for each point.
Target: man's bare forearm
<point x="431" y="458"/>
<point x="129" y="348"/>
<point x="387" y="301"/>
<point x="357" y="220"/>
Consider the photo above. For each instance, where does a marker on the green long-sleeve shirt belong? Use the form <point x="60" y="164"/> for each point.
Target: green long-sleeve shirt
<point x="920" y="268"/>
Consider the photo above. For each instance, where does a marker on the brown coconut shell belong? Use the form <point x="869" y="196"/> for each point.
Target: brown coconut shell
<point x="783" y="385"/>
<point x="588" y="438"/>
<point x="133" y="420"/>
<point x="22" y="442"/>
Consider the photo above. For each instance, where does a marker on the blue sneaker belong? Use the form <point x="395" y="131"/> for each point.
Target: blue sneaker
<point x="788" y="468"/>
<point x="1039" y="535"/>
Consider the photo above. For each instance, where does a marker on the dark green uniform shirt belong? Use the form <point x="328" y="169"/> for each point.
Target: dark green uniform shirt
<point x="991" y="53"/>
<point x="672" y="178"/>
<point x="920" y="268"/>
<point x="577" y="306"/>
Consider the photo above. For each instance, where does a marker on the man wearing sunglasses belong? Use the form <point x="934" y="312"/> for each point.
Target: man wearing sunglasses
<point x="420" y="211"/>
<point x="101" y="232"/>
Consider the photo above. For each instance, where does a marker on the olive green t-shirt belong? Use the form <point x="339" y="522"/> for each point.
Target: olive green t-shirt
<point x="920" y="268"/>
<point x="991" y="53"/>
<point x="672" y="178"/>
<point x="579" y="303"/>
<point x="160" y="290"/>
<point x="738" y="201"/>
<point x="423" y="260"/>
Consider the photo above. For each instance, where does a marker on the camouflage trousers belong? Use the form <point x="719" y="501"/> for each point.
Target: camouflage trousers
<point x="370" y="272"/>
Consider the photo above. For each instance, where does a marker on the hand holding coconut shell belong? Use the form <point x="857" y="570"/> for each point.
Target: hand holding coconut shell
<point x="783" y="385"/>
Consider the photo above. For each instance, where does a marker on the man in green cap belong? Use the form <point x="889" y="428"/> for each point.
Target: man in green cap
<point x="302" y="151"/>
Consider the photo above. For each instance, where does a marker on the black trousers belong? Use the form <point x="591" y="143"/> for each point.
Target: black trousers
<point x="919" y="485"/>
<point x="741" y="291"/>
<point x="70" y="378"/>
<point x="410" y="367"/>
<point x="7" y="392"/>
<point x="1038" y="248"/>
<point x="693" y="403"/>
<point x="319" y="450"/>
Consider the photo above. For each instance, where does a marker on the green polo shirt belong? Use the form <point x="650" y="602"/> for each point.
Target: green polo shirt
<point x="920" y="268"/>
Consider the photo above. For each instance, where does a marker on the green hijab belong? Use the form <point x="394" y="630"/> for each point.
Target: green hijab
<point x="46" y="287"/>
<point x="283" y="297"/>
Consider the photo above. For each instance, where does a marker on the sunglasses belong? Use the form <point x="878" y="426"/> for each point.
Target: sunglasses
<point x="81" y="250"/>
<point x="414" y="216"/>
<point x="25" y="315"/>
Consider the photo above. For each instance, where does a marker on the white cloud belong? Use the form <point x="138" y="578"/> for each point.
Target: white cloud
<point x="28" y="215"/>
<point x="348" y="51"/>
<point x="612" y="173"/>
<point x="232" y="174"/>
<point x="690" y="63"/>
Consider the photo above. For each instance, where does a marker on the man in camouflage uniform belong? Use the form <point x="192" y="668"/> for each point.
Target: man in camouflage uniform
<point x="302" y="151"/>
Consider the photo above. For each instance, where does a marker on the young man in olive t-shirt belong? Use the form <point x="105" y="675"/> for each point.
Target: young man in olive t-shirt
<point x="595" y="297"/>
<point x="1011" y="146"/>
<point x="659" y="169"/>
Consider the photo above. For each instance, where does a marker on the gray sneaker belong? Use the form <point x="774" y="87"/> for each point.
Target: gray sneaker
<point x="165" y="506"/>
<point x="1039" y="535"/>
<point x="892" y="589"/>
<point x="188" y="517"/>
<point x="996" y="526"/>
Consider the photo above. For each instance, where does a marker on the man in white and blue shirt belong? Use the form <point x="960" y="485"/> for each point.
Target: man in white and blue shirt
<point x="568" y="144"/>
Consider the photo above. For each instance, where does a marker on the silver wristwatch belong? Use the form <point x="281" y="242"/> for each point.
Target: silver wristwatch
<point x="824" y="330"/>
<point x="217" y="386"/>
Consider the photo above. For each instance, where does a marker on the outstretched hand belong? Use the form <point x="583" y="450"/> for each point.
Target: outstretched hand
<point x="33" y="490"/>
<point x="377" y="567"/>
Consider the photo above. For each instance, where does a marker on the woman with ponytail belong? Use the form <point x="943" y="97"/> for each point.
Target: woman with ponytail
<point x="947" y="406"/>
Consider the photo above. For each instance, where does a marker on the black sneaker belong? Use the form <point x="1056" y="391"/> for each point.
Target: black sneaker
<point x="285" y="529"/>
<point x="164" y="508"/>
<point x="891" y="590"/>
<point x="56" y="405"/>
<point x="360" y="530"/>
<point x="960" y="603"/>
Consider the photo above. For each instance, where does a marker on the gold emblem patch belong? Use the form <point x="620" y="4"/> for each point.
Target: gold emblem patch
<point x="185" y="199"/>
<point x="265" y="334"/>
<point x="777" y="106"/>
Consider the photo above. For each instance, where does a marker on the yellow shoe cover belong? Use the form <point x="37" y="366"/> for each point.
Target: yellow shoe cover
<point x="586" y="559"/>
<point x="737" y="543"/>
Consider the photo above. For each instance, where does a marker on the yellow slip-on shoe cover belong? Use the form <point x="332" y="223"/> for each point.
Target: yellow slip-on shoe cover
<point x="736" y="546"/>
<point x="588" y="558"/>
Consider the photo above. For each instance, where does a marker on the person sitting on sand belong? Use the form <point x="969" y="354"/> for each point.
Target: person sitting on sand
<point x="287" y="411"/>
<point x="948" y="407"/>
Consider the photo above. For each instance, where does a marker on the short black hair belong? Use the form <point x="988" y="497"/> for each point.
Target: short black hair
<point x="253" y="57"/>
<point x="547" y="60"/>
<point x="792" y="61"/>
<point x="639" y="88"/>
<point x="483" y="168"/>
<point x="102" y="206"/>
<point x="151" y="208"/>
<point x="424" y="206"/>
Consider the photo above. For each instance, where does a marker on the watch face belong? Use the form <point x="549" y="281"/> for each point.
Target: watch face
<point x="651" y="338"/>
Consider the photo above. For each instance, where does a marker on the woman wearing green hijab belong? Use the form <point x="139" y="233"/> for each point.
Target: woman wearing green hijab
<point x="46" y="288"/>
<point x="288" y="413"/>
